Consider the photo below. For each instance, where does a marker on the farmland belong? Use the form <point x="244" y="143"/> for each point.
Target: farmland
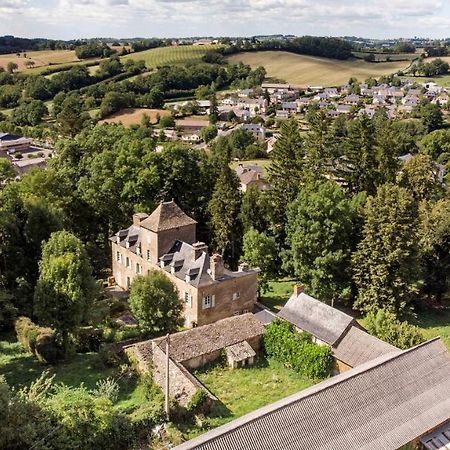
<point x="41" y="58"/>
<point x="171" y="55"/>
<point x="311" y="70"/>
<point x="133" y="116"/>
<point x="383" y="57"/>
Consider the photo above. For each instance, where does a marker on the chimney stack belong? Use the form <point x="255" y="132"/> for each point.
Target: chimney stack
<point x="199" y="248"/>
<point x="299" y="288"/>
<point x="138" y="218"/>
<point x="216" y="267"/>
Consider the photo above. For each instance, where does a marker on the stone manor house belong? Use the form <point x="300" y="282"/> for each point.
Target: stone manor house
<point x="166" y="240"/>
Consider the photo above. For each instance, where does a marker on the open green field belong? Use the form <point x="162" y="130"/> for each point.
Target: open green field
<point x="246" y="389"/>
<point x="442" y="80"/>
<point x="305" y="70"/>
<point x="388" y="56"/>
<point x="20" y="369"/>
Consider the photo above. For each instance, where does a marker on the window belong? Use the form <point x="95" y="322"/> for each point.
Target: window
<point x="188" y="299"/>
<point x="208" y="301"/>
<point x="148" y="255"/>
<point x="138" y="268"/>
<point x="236" y="295"/>
<point x="128" y="282"/>
<point x="128" y="264"/>
<point x="119" y="256"/>
<point x="244" y="311"/>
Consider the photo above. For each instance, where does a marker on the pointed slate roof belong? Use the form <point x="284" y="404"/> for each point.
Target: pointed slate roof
<point x="382" y="404"/>
<point x="166" y="216"/>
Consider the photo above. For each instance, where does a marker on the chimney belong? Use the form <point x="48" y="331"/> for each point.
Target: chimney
<point x="299" y="288"/>
<point x="199" y="248"/>
<point x="138" y="218"/>
<point x="216" y="267"/>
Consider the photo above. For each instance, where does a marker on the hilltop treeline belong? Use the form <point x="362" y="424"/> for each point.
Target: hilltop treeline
<point x="11" y="44"/>
<point x="307" y="45"/>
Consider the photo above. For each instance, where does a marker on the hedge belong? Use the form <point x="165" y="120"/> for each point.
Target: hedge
<point x="37" y="340"/>
<point x="296" y="350"/>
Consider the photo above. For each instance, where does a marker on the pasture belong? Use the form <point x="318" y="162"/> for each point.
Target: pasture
<point x="306" y="70"/>
<point x="133" y="116"/>
<point x="384" y="57"/>
<point x="41" y="58"/>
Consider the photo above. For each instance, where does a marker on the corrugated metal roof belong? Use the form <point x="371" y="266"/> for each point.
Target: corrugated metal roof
<point x="311" y="315"/>
<point x="357" y="347"/>
<point x="382" y="404"/>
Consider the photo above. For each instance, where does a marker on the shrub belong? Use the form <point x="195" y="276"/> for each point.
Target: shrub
<point x="297" y="350"/>
<point x="199" y="402"/>
<point x="88" y="339"/>
<point x="8" y="311"/>
<point x="148" y="415"/>
<point x="108" y="356"/>
<point x="37" y="340"/>
<point x="386" y="326"/>
<point x="107" y="388"/>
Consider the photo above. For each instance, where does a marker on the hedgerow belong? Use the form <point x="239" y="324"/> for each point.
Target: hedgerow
<point x="296" y="350"/>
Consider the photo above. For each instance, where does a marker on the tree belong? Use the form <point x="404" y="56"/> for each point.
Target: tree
<point x="431" y="115"/>
<point x="385" y="326"/>
<point x="155" y="304"/>
<point x="71" y="118"/>
<point x="420" y="176"/>
<point x="7" y="172"/>
<point x="386" y="267"/>
<point x="435" y="247"/>
<point x="208" y="133"/>
<point x="213" y="110"/>
<point x="254" y="209"/>
<point x="30" y="113"/>
<point x="286" y="171"/>
<point x="167" y="122"/>
<point x="65" y="289"/>
<point x="318" y="236"/>
<point x="435" y="143"/>
<point x="224" y="209"/>
<point x="258" y="251"/>
<point x="11" y="67"/>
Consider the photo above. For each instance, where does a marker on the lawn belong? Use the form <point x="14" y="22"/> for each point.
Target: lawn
<point x="264" y="163"/>
<point x="243" y="390"/>
<point x="314" y="71"/>
<point x="435" y="323"/>
<point x="20" y="369"/>
<point x="182" y="54"/>
<point x="279" y="294"/>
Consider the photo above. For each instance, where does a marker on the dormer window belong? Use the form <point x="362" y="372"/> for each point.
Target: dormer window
<point x="138" y="250"/>
<point x="187" y="278"/>
<point x="127" y="244"/>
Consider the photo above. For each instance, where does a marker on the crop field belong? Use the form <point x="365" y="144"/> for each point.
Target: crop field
<point x="41" y="58"/>
<point x="133" y="116"/>
<point x="171" y="55"/>
<point x="305" y="70"/>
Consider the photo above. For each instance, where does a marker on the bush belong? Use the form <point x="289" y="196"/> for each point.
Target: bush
<point x="199" y="402"/>
<point x="8" y="311"/>
<point x="297" y="350"/>
<point x="107" y="388"/>
<point x="88" y="339"/>
<point x="108" y="356"/>
<point x="37" y="340"/>
<point x="385" y="326"/>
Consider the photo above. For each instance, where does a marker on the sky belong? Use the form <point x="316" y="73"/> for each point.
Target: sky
<point x="69" y="19"/>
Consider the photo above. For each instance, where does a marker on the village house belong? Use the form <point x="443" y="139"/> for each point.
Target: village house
<point x="251" y="176"/>
<point x="12" y="143"/>
<point x="399" y="399"/>
<point x="282" y="114"/>
<point x="191" y="126"/>
<point x="257" y="130"/>
<point x="166" y="241"/>
<point x="238" y="337"/>
<point x="350" y="343"/>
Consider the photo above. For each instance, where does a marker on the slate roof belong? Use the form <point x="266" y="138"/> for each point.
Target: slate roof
<point x="166" y="216"/>
<point x="206" y="339"/>
<point x="311" y="315"/>
<point x="240" y="351"/>
<point x="357" y="347"/>
<point x="383" y="404"/>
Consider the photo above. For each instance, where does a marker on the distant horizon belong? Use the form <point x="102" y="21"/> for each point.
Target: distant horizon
<point x="78" y="19"/>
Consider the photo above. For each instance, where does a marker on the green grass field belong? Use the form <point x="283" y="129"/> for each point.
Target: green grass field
<point x="20" y="369"/>
<point x="388" y="56"/>
<point x="305" y="70"/>
<point x="246" y="389"/>
<point x="435" y="323"/>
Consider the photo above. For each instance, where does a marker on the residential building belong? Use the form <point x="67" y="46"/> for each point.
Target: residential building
<point x="166" y="241"/>
<point x="12" y="143"/>
<point x="348" y="340"/>
<point x="251" y="176"/>
<point x="257" y="130"/>
<point x="392" y="401"/>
